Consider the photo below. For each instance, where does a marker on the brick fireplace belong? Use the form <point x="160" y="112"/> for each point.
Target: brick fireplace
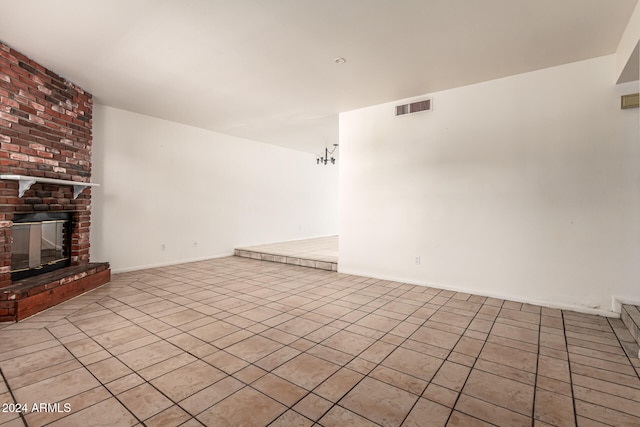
<point x="45" y="158"/>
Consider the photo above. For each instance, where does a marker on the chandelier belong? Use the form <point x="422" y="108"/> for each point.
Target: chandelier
<point x="328" y="156"/>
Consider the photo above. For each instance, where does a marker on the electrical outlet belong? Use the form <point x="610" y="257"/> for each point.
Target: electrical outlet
<point x="163" y="247"/>
<point x="418" y="260"/>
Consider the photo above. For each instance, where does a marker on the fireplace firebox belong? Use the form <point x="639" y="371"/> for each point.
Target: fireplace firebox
<point x="41" y="243"/>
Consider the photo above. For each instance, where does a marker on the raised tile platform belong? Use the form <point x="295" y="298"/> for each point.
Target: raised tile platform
<point x="320" y="252"/>
<point x="630" y="316"/>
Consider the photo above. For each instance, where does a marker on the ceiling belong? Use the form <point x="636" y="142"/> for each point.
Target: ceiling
<point x="265" y="70"/>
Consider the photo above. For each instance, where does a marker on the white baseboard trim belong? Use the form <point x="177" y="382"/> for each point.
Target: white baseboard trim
<point x="618" y="300"/>
<point x="168" y="263"/>
<point x="549" y="304"/>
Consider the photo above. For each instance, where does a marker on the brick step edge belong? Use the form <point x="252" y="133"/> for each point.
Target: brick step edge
<point x="22" y="303"/>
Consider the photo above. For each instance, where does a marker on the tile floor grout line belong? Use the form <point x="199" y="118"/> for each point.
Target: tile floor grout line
<point x="397" y="346"/>
<point x="595" y="404"/>
<point x="24" y="421"/>
<point x="308" y="392"/>
<point x="381" y="293"/>
<point x="353" y="358"/>
<point x="626" y="354"/>
<point x="494" y="321"/>
<point x="472" y="367"/>
<point x="100" y="382"/>
<point x="118" y="359"/>
<point x="443" y="361"/>
<point x="535" y="380"/>
<point x="603" y="360"/>
<point x="250" y="363"/>
<point x="566" y="343"/>
<point x="337" y="403"/>
<point x="83" y="365"/>
<point x="145" y="381"/>
<point x="341" y="366"/>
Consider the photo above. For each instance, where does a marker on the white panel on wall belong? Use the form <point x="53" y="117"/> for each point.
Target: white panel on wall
<point x="172" y="193"/>
<point x="526" y="187"/>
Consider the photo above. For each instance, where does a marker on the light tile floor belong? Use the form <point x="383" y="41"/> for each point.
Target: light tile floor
<point x="236" y="341"/>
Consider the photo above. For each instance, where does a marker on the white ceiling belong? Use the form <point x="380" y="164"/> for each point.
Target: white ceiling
<point x="264" y="69"/>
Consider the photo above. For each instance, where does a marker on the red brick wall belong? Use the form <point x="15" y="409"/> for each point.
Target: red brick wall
<point x="45" y="131"/>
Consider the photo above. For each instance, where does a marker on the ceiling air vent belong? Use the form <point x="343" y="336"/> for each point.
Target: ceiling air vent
<point x="414" y="107"/>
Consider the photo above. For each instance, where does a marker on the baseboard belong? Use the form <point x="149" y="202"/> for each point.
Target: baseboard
<point x="479" y="292"/>
<point x="617" y="301"/>
<point x="168" y="263"/>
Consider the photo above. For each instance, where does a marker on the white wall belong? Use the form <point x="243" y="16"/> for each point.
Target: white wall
<point x="526" y="187"/>
<point x="167" y="183"/>
<point x="626" y="64"/>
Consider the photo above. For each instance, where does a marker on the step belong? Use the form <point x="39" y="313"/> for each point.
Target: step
<point x="32" y="295"/>
<point x="286" y="259"/>
<point x="630" y="316"/>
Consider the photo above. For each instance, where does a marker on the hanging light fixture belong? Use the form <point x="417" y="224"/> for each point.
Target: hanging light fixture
<point x="320" y="160"/>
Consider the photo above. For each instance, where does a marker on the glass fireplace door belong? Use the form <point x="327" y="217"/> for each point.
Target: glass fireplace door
<point x="39" y="246"/>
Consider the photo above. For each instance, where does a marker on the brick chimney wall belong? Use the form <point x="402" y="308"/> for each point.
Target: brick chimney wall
<point x="45" y="131"/>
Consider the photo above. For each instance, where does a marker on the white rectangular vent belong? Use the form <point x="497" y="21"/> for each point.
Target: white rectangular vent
<point x="414" y="107"/>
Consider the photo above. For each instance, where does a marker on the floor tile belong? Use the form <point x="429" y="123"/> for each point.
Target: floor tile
<point x="512" y="357"/>
<point x="441" y="395"/>
<point x="348" y="342"/>
<point x="313" y="406"/>
<point x="413" y="363"/>
<point x="494" y="414"/>
<point x="76" y="403"/>
<point x="338" y="417"/>
<point x="245" y="407"/>
<point x="253" y="348"/>
<point x="452" y="376"/>
<point x="306" y="371"/>
<point x="379" y="402"/>
<point x="399" y="379"/>
<point x="144" y="401"/>
<point x="338" y="384"/>
<point x="188" y="379"/>
<point x="213" y="331"/>
<point x="291" y="419"/>
<point x="57" y="388"/>
<point x="108" y="412"/>
<point x="500" y="391"/>
<point x="427" y="411"/>
<point x="554" y="408"/>
<point x="149" y="355"/>
<point x="436" y="337"/>
<point x="109" y="369"/>
<point x="234" y="340"/>
<point x="225" y="362"/>
<point x="172" y="416"/>
<point x="125" y="383"/>
<point x="279" y="389"/>
<point x="166" y="366"/>
<point x="203" y="399"/>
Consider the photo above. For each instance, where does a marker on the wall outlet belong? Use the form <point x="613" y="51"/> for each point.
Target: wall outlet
<point x="417" y="260"/>
<point x="163" y="247"/>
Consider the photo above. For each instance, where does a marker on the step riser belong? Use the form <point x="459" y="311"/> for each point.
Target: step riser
<point x="321" y="265"/>
<point x="630" y="316"/>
